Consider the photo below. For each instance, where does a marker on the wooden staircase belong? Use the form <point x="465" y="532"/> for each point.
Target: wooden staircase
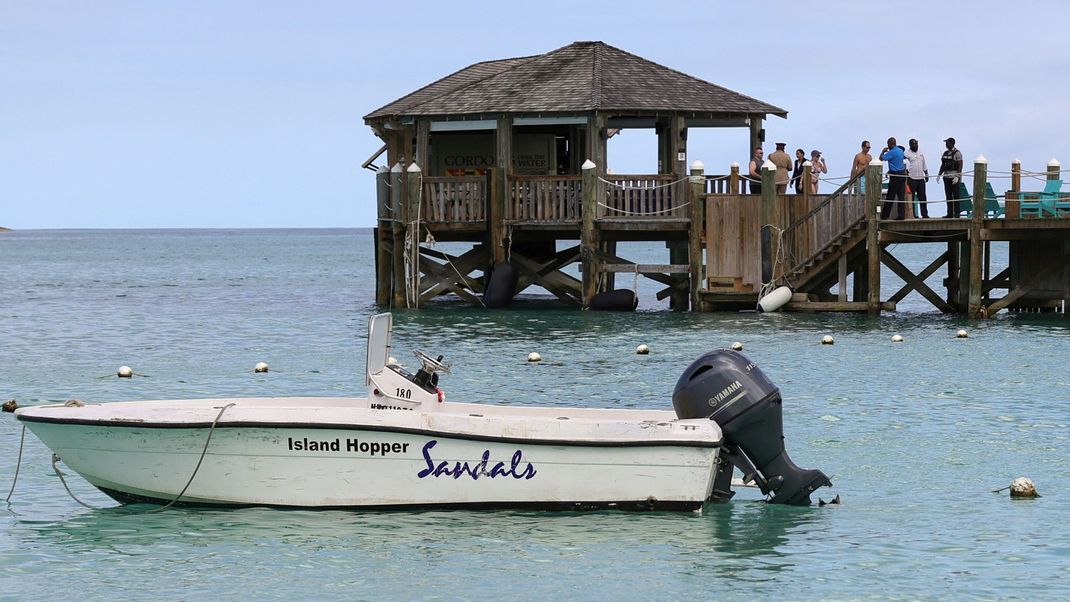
<point x="814" y="244"/>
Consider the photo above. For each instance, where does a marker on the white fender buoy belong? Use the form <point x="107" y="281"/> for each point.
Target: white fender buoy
<point x="1023" y="487"/>
<point x="260" y="367"/>
<point x="642" y="350"/>
<point x="774" y="300"/>
<point x="897" y="339"/>
<point x="125" y="372"/>
<point x="962" y="334"/>
<point x="737" y="346"/>
<point x="828" y="340"/>
<point x="391" y="361"/>
<point x="534" y="357"/>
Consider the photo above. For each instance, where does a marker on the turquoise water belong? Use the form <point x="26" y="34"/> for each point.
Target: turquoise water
<point x="915" y="435"/>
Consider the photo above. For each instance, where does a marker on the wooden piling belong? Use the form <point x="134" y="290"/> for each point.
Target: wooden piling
<point x="733" y="179"/>
<point x="873" y="264"/>
<point x="698" y="215"/>
<point x="980" y="175"/>
<point x="413" y="188"/>
<point x="588" y="236"/>
<point x="397" y="255"/>
<point x="769" y="242"/>
<point x="382" y="258"/>
<point x="1011" y="204"/>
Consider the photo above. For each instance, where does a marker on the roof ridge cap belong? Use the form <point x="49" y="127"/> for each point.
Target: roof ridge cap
<point x="596" y="76"/>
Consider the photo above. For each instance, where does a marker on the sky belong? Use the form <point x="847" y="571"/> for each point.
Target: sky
<point x="231" y="114"/>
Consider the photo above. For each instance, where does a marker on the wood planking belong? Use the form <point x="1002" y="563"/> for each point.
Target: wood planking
<point x="733" y="247"/>
<point x="454" y="199"/>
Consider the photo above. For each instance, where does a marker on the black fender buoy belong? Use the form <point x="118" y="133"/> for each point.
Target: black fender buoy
<point x="501" y="285"/>
<point x="615" y="300"/>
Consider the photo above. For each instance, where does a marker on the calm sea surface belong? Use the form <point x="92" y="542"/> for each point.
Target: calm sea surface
<point x="915" y="435"/>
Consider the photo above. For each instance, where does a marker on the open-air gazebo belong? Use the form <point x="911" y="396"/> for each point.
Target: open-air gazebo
<point x="496" y="151"/>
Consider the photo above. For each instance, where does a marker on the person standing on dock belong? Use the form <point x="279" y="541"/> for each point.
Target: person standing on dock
<point x="951" y="170"/>
<point x="862" y="159"/>
<point x="755" y="172"/>
<point x="782" y="161"/>
<point x="797" y="172"/>
<point x="817" y="167"/>
<point x="917" y="175"/>
<point x="897" y="180"/>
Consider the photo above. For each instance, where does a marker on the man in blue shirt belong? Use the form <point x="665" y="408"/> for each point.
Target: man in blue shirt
<point x="895" y="200"/>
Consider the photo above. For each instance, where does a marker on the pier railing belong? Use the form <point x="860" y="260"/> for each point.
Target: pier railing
<point x="643" y="197"/>
<point x="824" y="226"/>
<point x="721" y="184"/>
<point x="454" y="199"/>
<point x="544" y="198"/>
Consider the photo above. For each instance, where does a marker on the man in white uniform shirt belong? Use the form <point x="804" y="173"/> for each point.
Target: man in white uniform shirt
<point x="917" y="175"/>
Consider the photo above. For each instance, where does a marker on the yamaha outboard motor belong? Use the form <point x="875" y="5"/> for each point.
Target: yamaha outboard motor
<point x="728" y="388"/>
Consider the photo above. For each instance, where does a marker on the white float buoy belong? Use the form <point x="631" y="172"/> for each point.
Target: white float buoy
<point x="897" y="339"/>
<point x="962" y="334"/>
<point x="125" y="372"/>
<point x="534" y="357"/>
<point x="642" y="350"/>
<point x="391" y="361"/>
<point x="1023" y="487"/>
<point x="774" y="300"/>
<point x="260" y="367"/>
<point x="828" y="340"/>
<point x="737" y="346"/>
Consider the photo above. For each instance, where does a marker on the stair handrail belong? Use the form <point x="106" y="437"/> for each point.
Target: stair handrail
<point x="789" y="234"/>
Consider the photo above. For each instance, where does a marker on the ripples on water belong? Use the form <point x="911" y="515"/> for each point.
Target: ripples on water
<point x="916" y="435"/>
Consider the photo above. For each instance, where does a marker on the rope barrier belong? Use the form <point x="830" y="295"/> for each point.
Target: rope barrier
<point x="626" y="212"/>
<point x="626" y="187"/>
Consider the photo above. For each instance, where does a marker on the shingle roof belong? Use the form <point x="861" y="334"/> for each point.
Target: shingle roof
<point x="580" y="77"/>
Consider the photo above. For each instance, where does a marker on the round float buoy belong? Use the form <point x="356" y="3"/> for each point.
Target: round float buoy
<point x="774" y="300"/>
<point x="642" y="350"/>
<point x="1023" y="487"/>
<point x="962" y="334"/>
<point x="260" y="367"/>
<point x="125" y="372"/>
<point x="391" y="361"/>
<point x="828" y="340"/>
<point x="897" y="339"/>
<point x="534" y="357"/>
<point x="11" y="405"/>
<point x="737" y="346"/>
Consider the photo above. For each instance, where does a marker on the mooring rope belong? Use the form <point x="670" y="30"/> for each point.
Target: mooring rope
<point x="458" y="272"/>
<point x="56" y="459"/>
<point x="18" y="464"/>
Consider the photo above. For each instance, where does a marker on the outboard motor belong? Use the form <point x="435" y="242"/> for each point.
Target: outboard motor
<point x="726" y="387"/>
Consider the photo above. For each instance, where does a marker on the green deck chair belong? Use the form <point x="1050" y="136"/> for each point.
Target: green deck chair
<point x="1043" y="204"/>
<point x="992" y="206"/>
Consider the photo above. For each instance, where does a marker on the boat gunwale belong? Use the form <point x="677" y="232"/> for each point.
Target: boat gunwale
<point x="223" y="424"/>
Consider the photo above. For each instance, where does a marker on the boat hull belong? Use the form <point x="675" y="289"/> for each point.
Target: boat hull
<point x="336" y="467"/>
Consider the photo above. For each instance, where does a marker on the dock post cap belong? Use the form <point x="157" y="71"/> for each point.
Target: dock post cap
<point x="383" y="169"/>
<point x="876" y="161"/>
<point x="1053" y="163"/>
<point x="588" y="164"/>
<point x="734" y="164"/>
<point x="1016" y="162"/>
<point x="807" y="164"/>
<point x="396" y="168"/>
<point x="413" y="167"/>
<point x="981" y="159"/>
<point x="696" y="165"/>
<point x="768" y="165"/>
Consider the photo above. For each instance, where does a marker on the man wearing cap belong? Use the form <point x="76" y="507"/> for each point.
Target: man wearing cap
<point x="897" y="181"/>
<point x="917" y="175"/>
<point x="782" y="160"/>
<point x="951" y="170"/>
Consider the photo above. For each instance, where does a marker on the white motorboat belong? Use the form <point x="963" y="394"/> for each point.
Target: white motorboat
<point x="403" y="446"/>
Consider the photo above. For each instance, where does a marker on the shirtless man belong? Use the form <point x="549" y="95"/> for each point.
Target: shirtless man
<point x="862" y="159"/>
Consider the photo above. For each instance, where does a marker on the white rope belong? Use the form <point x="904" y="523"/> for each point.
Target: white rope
<point x="18" y="464"/>
<point x="627" y="187"/>
<point x="660" y="212"/>
<point x="458" y="272"/>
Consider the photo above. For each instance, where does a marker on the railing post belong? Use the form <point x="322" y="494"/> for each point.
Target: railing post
<point x="733" y="179"/>
<point x="873" y="264"/>
<point x="980" y="175"/>
<point x="588" y="236"/>
<point x="414" y="186"/>
<point x="1012" y="208"/>
<point x="769" y="245"/>
<point x="698" y="221"/>
<point x="807" y="176"/>
<point x="398" y="228"/>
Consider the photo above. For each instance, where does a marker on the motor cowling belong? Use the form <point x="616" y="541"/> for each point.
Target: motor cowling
<point x="726" y="387"/>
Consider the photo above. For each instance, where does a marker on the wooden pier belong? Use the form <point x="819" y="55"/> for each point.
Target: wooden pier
<point x="509" y="157"/>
